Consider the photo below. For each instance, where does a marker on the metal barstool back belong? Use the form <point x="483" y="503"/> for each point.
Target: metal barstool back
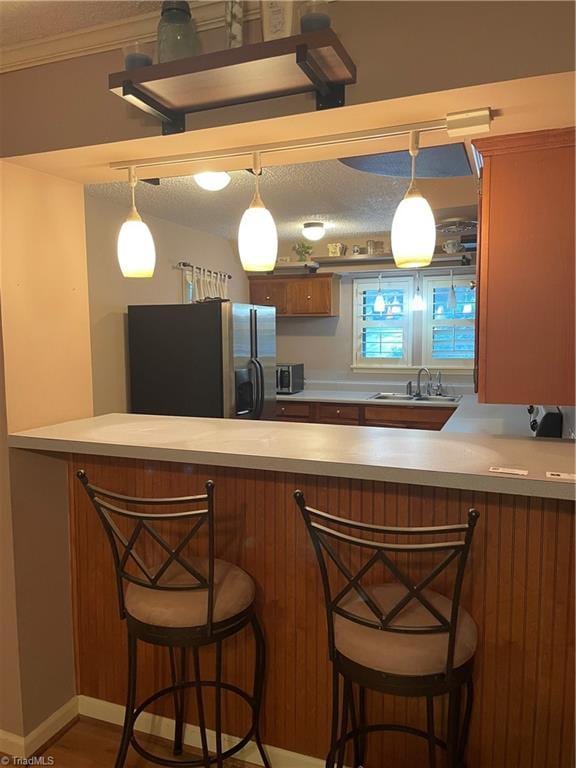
<point x="124" y="544"/>
<point x="367" y="618"/>
<point x="173" y="595"/>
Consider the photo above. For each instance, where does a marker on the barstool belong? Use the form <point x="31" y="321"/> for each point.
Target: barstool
<point x="184" y="602"/>
<point x="398" y="637"/>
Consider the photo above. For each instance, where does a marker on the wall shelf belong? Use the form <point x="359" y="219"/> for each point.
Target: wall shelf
<point x="310" y="62"/>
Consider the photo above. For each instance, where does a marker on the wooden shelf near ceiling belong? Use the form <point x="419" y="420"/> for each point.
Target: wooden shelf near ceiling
<point x="314" y="61"/>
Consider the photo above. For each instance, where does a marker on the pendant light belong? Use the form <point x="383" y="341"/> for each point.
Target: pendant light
<point x="313" y="230"/>
<point x="413" y="233"/>
<point x="418" y="304"/>
<point x="257" y="234"/>
<point x="379" y="302"/>
<point x="135" y="250"/>
<point x="212" y="181"/>
<point x="452" y="302"/>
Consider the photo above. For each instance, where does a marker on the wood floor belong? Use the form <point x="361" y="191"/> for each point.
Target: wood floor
<point x="93" y="744"/>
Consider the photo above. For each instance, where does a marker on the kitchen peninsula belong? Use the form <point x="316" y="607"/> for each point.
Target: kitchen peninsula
<point x="519" y="588"/>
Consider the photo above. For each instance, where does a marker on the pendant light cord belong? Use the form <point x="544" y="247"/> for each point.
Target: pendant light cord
<point x="257" y="170"/>
<point x="414" y="148"/>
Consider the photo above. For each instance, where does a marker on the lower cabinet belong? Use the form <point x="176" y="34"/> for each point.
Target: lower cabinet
<point x="400" y="416"/>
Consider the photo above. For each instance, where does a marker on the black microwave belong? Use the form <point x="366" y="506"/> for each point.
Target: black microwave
<point x="289" y="378"/>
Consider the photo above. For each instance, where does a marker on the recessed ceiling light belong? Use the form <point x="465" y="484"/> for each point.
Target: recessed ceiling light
<point x="313" y="230"/>
<point x="213" y="181"/>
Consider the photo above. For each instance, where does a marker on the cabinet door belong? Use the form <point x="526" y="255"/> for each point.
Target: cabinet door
<point x="526" y="295"/>
<point x="269" y="293"/>
<point x="310" y="296"/>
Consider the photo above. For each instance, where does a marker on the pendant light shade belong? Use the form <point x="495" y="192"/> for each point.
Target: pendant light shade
<point x="379" y="301"/>
<point x="212" y="181"/>
<point x="257" y="234"/>
<point x="135" y="249"/>
<point x="413" y="235"/>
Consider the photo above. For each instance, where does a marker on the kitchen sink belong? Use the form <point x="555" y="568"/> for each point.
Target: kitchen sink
<point x="397" y="396"/>
<point x="400" y="397"/>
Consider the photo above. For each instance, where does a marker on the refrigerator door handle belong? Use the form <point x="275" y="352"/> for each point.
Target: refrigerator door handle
<point x="259" y="406"/>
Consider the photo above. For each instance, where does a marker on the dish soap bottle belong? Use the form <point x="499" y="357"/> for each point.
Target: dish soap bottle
<point x="177" y="35"/>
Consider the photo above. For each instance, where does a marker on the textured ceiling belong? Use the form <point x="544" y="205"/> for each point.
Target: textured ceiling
<point x="25" y="20"/>
<point x="350" y="202"/>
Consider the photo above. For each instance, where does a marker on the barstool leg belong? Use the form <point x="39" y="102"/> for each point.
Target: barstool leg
<point x="431" y="734"/>
<point x="218" y="704"/>
<point x="130" y="702"/>
<point x="344" y="724"/>
<point x="200" y="705"/>
<point x="466" y="721"/>
<point x="179" y="698"/>
<point x="354" y="724"/>
<point x="452" y="740"/>
<point x="335" y="717"/>
<point x="362" y="710"/>
<point x="259" y="672"/>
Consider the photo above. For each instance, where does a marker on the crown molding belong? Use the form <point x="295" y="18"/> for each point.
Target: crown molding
<point x="109" y="37"/>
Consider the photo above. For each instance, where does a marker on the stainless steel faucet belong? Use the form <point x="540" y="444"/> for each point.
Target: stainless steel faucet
<point x="419" y="382"/>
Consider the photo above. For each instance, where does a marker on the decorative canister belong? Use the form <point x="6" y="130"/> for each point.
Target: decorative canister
<point x="314" y="16"/>
<point x="177" y="35"/>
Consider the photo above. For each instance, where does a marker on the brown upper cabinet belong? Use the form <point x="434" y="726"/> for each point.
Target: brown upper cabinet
<point x="298" y="296"/>
<point x="525" y="333"/>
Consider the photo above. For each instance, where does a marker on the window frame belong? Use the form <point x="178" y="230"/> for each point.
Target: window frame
<point x="428" y="322"/>
<point x="405" y="283"/>
<point x="418" y="323"/>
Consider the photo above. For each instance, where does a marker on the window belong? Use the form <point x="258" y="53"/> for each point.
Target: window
<point x="448" y="327"/>
<point x="383" y="339"/>
<point x="440" y="336"/>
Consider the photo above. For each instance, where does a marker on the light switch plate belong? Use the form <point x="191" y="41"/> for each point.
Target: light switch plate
<point x="560" y="476"/>
<point x="509" y="471"/>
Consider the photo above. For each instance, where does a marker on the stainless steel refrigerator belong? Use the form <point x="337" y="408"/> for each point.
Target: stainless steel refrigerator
<point x="213" y="359"/>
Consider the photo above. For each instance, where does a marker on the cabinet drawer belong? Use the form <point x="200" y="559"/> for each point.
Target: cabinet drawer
<point x="338" y="414"/>
<point x="292" y="410"/>
<point x="406" y="417"/>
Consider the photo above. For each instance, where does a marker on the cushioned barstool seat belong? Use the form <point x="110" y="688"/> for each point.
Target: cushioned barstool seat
<point x="233" y="592"/>
<point x="401" y="653"/>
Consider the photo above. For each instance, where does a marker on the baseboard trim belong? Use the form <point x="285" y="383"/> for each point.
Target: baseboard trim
<point x="25" y="746"/>
<point x="163" y="727"/>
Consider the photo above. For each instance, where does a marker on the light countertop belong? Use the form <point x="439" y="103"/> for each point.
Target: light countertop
<point x="416" y="457"/>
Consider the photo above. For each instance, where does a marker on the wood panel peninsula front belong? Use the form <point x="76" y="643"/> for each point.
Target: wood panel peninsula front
<point x="519" y="587"/>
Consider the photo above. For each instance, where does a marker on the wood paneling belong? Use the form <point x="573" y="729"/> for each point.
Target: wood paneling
<point x="526" y="298"/>
<point x="519" y="589"/>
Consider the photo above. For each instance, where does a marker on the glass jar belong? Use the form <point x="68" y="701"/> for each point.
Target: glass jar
<point x="177" y="35"/>
<point x="314" y="16"/>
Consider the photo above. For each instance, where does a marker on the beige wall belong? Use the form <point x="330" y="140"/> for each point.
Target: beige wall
<point x="10" y="694"/>
<point x="110" y="293"/>
<point x="44" y="307"/>
<point x="46" y="353"/>
<point x="400" y="48"/>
